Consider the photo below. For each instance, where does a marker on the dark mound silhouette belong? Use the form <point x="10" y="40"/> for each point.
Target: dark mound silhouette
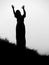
<point x="17" y="51"/>
<point x="6" y="44"/>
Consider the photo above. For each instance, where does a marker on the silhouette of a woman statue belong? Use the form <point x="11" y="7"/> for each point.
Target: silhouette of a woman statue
<point x="20" y="27"/>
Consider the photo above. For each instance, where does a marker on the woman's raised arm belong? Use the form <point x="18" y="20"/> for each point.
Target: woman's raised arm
<point x="13" y="10"/>
<point x="24" y="15"/>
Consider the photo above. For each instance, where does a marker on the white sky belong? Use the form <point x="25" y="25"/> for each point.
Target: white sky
<point x="36" y="22"/>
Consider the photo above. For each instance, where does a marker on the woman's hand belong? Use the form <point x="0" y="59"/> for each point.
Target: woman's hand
<point x="12" y="6"/>
<point x="23" y="7"/>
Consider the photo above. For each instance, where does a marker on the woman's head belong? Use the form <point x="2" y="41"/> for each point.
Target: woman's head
<point x="18" y="13"/>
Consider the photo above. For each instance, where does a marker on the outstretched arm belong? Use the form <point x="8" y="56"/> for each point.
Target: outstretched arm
<point x="13" y="10"/>
<point x="24" y="15"/>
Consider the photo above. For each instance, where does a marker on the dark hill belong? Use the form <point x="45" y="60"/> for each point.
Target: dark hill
<point x="6" y="44"/>
<point x="12" y="48"/>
